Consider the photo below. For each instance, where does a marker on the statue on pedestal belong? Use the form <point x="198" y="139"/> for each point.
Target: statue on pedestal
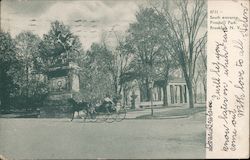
<point x="63" y="84"/>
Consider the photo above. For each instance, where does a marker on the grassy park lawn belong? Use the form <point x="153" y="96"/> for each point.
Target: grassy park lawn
<point x="176" y="112"/>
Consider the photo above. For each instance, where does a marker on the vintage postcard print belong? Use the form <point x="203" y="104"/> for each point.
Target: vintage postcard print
<point x="116" y="79"/>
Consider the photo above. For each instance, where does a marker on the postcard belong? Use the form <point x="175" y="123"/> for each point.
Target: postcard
<point x="116" y="79"/>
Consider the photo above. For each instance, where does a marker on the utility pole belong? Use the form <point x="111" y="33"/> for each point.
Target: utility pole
<point x="151" y="84"/>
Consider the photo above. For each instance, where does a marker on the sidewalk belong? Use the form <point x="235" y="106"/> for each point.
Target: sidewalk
<point x="157" y="111"/>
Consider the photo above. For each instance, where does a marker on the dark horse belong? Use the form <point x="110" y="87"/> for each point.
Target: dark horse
<point x="79" y="106"/>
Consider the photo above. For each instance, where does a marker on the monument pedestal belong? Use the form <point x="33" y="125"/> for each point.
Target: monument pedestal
<point x="63" y="84"/>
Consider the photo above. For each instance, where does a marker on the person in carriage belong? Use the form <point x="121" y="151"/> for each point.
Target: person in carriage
<point x="107" y="100"/>
<point x="107" y="105"/>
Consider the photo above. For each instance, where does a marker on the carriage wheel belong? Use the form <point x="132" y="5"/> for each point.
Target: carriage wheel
<point x="111" y="117"/>
<point x="93" y="118"/>
<point x="83" y="116"/>
<point x="101" y="118"/>
<point x="107" y="116"/>
<point x="121" y="114"/>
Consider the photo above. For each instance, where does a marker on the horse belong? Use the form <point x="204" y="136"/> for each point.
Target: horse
<point x="79" y="106"/>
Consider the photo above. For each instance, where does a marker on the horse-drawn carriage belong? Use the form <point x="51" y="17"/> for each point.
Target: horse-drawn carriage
<point x="105" y="112"/>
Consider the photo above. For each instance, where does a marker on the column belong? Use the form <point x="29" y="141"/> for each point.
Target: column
<point x="172" y="93"/>
<point x="181" y="94"/>
<point x="176" y="96"/>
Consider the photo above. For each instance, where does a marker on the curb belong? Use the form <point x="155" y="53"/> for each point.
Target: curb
<point x="152" y="118"/>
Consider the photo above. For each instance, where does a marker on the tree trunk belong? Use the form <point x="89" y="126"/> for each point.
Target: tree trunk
<point x="124" y="97"/>
<point x="165" y="95"/>
<point x="205" y="91"/>
<point x="27" y="88"/>
<point x="188" y="79"/>
<point x="151" y="102"/>
<point x="120" y="89"/>
<point x="4" y="90"/>
<point x="115" y="85"/>
<point x="195" y="97"/>
<point x="190" y="93"/>
<point x="148" y="94"/>
<point x="195" y="94"/>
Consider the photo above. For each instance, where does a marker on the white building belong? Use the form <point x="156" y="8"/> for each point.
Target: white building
<point x="177" y="93"/>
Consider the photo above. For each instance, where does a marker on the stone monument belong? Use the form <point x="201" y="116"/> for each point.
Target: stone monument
<point x="63" y="83"/>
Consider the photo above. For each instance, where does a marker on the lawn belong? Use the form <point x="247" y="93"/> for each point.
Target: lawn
<point x="176" y="112"/>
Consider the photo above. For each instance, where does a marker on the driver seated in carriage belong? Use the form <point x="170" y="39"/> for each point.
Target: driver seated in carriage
<point x="108" y="103"/>
<point x="107" y="100"/>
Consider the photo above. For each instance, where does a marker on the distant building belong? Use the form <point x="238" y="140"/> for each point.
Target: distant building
<point x="177" y="92"/>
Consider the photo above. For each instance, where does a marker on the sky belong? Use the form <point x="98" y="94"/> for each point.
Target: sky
<point x="87" y="18"/>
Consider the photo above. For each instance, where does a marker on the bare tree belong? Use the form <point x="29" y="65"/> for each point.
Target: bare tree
<point x="95" y="78"/>
<point x="164" y="65"/>
<point x="201" y="63"/>
<point x="203" y="67"/>
<point x="183" y="29"/>
<point x="145" y="39"/>
<point x="120" y="58"/>
<point x="27" y="49"/>
<point x="196" y="78"/>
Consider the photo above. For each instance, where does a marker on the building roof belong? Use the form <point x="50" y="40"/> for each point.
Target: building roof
<point x="177" y="80"/>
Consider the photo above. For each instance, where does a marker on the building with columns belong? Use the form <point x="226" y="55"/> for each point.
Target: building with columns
<point x="177" y="92"/>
